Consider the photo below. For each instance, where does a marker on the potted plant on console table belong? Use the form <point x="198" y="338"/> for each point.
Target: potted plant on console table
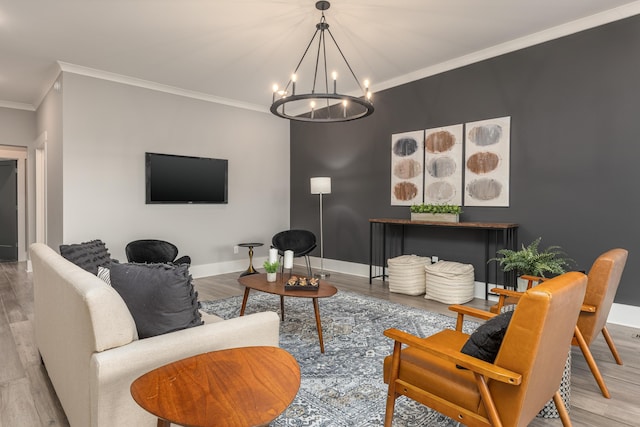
<point x="436" y="213"/>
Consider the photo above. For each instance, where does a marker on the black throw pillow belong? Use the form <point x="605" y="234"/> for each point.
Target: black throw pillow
<point x="87" y="255"/>
<point x="160" y="297"/>
<point x="485" y="341"/>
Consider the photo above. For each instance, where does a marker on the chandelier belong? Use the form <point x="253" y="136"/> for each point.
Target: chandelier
<point x="321" y="104"/>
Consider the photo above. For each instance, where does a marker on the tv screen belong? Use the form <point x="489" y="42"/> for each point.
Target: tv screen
<point x="184" y="179"/>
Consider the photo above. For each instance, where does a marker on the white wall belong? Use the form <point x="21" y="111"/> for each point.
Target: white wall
<point x="107" y="129"/>
<point x="49" y="119"/>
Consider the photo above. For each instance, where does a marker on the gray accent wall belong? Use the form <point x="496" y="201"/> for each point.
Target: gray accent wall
<point x="575" y="150"/>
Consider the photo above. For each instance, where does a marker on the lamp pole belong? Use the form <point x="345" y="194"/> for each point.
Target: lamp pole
<point x="321" y="185"/>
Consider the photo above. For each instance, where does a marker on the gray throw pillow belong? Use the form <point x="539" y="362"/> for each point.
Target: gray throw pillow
<point x="87" y="255"/>
<point x="160" y="297"/>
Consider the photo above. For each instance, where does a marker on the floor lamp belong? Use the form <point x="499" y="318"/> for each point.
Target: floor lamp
<point x="321" y="185"/>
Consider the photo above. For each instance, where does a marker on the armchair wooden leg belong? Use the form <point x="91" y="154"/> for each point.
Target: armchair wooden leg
<point x="487" y="400"/>
<point x="393" y="376"/>
<point x="562" y="411"/>
<point x="591" y="362"/>
<point x="612" y="346"/>
<point x="391" y="404"/>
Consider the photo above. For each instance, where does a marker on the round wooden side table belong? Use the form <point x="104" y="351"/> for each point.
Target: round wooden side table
<point x="239" y="387"/>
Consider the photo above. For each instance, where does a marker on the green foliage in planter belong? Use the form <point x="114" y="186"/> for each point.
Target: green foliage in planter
<point x="448" y="209"/>
<point x="532" y="262"/>
<point x="271" y="267"/>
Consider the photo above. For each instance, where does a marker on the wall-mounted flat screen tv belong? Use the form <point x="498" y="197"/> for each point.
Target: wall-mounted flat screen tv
<point x="183" y="179"/>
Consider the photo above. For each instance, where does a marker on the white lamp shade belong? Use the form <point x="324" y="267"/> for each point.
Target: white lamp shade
<point x="321" y="185"/>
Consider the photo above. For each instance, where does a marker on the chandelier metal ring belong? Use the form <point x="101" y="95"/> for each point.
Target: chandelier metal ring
<point x="350" y="108"/>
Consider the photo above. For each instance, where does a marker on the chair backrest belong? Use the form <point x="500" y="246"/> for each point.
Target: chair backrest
<point x="536" y="345"/>
<point x="151" y="251"/>
<point x="301" y="242"/>
<point x="604" y="278"/>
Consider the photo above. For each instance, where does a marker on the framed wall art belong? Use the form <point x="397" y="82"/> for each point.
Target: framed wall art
<point x="443" y="165"/>
<point x="407" y="168"/>
<point x="487" y="150"/>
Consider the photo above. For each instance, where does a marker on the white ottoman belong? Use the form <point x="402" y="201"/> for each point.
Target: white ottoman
<point x="449" y="282"/>
<point x="406" y="274"/>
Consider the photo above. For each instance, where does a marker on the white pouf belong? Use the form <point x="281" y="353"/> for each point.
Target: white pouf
<point x="449" y="282"/>
<point x="406" y="274"/>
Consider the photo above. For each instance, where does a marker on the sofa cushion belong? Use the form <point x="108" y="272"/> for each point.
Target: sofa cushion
<point x="486" y="340"/>
<point x="160" y="297"/>
<point x="87" y="255"/>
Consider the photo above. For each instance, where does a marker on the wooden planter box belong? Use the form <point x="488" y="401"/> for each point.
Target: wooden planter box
<point x="435" y="217"/>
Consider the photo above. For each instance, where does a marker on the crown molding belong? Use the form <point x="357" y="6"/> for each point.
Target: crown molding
<point x="557" y="32"/>
<point x="17" y="105"/>
<point x="146" y="84"/>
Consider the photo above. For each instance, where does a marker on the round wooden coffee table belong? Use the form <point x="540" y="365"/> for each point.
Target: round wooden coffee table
<point x="259" y="283"/>
<point x="239" y="387"/>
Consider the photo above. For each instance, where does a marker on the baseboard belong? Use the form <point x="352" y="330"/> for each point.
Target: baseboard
<point x="213" y="269"/>
<point x="621" y="314"/>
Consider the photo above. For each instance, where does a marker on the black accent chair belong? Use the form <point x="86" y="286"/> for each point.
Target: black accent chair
<point x="154" y="251"/>
<point x="301" y="242"/>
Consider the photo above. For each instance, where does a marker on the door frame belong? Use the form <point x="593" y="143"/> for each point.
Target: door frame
<point x="40" y="188"/>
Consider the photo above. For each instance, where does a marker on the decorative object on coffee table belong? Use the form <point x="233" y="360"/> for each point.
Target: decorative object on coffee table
<point x="250" y="269"/>
<point x="263" y="383"/>
<point x="271" y="267"/>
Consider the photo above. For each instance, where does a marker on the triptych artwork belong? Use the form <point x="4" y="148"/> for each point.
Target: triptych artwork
<point x="433" y="166"/>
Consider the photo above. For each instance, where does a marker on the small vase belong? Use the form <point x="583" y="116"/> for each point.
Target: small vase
<point x="271" y="277"/>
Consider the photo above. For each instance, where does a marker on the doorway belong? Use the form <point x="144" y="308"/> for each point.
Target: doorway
<point x="8" y="210"/>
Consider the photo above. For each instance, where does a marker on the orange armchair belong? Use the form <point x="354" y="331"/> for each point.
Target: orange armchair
<point x="511" y="390"/>
<point x="604" y="278"/>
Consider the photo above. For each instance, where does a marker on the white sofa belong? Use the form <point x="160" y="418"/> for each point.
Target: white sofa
<point x="88" y="342"/>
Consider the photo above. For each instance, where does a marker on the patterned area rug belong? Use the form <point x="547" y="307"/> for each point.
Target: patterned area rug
<point x="344" y="387"/>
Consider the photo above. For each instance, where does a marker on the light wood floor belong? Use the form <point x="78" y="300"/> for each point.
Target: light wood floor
<point x="27" y="397"/>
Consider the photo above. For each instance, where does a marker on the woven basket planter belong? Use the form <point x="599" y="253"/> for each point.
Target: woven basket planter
<point x="435" y="217"/>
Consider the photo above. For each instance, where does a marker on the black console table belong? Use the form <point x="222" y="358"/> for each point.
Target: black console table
<point x="505" y="235"/>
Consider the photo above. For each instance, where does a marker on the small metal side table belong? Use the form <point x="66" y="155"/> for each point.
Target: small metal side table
<point x="250" y="270"/>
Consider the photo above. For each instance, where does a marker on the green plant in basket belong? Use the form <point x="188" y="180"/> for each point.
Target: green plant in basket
<point x="271" y="267"/>
<point x="430" y="208"/>
<point x="530" y="261"/>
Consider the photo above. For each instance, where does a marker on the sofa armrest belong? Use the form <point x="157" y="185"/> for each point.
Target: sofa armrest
<point x="113" y="371"/>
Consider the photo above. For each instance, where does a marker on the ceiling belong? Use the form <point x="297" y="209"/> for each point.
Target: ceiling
<point x="233" y="51"/>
